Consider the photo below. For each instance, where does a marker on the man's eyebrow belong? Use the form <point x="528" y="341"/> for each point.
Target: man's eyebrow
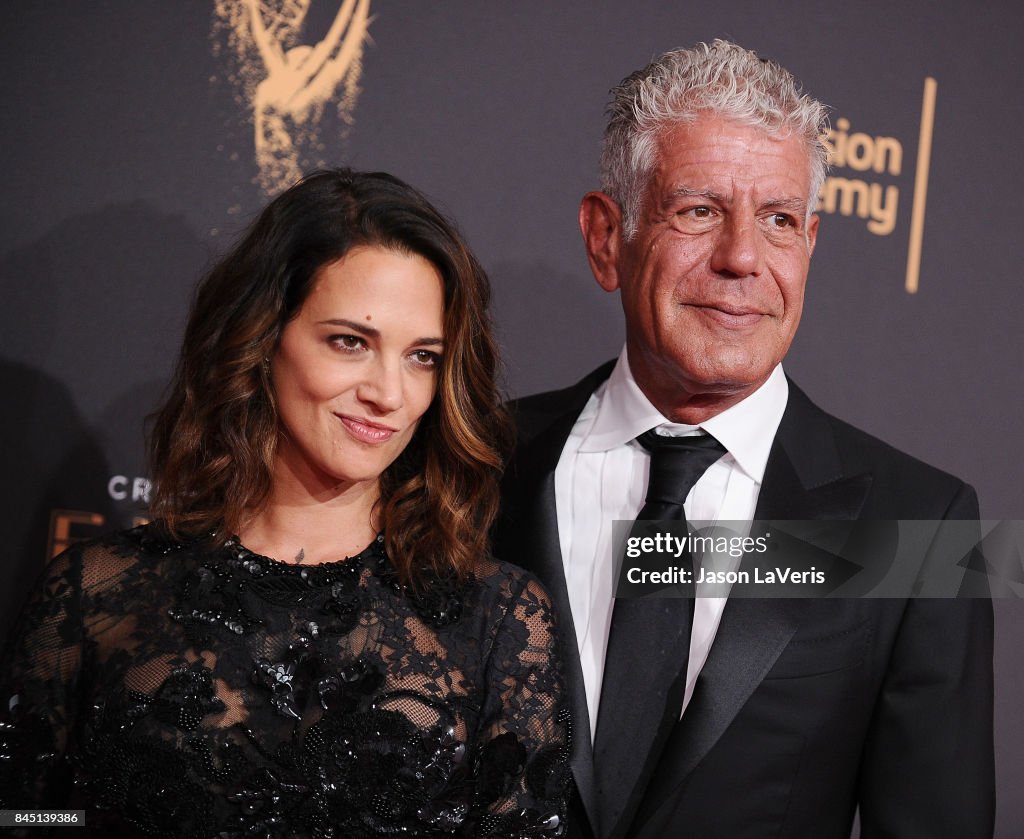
<point x="372" y="332"/>
<point x="683" y="191"/>
<point x="794" y="205"/>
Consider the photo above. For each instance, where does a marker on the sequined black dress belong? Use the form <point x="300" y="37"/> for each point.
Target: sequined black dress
<point x="174" y="690"/>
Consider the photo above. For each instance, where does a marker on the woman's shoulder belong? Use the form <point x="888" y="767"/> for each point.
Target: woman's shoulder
<point x="515" y="587"/>
<point x="144" y="540"/>
<point x="501" y="572"/>
<point x="113" y="557"/>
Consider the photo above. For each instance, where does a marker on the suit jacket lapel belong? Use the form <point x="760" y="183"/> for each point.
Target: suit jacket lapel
<point x="804" y="480"/>
<point x="545" y="559"/>
<point x="530" y="536"/>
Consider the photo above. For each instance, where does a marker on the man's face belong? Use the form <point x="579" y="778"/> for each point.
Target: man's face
<point x="713" y="281"/>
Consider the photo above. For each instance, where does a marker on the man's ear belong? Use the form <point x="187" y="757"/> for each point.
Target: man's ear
<point x="812" y="233"/>
<point x="601" y="226"/>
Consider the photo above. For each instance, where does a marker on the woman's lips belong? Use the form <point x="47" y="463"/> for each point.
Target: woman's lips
<point x="366" y="431"/>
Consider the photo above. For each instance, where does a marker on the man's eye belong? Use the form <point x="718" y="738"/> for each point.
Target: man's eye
<point x="699" y="212"/>
<point x="781" y="220"/>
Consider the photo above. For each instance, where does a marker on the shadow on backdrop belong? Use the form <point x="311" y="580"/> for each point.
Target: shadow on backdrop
<point x="53" y="462"/>
<point x="535" y="329"/>
<point x="92" y="318"/>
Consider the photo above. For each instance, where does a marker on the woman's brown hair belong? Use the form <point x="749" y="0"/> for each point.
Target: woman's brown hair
<point x="213" y="441"/>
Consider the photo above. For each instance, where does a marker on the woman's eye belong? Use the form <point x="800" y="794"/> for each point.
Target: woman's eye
<point x="426" y="358"/>
<point x="350" y="343"/>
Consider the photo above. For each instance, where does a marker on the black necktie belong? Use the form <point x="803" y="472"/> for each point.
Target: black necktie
<point x="648" y="647"/>
<point x="677" y="463"/>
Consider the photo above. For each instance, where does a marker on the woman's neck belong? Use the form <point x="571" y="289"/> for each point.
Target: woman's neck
<point x="293" y="527"/>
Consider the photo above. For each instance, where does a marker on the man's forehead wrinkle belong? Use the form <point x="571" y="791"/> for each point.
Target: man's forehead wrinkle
<point x="684" y="191"/>
<point x="687" y="150"/>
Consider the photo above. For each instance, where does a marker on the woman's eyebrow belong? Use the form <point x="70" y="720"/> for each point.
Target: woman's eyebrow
<point x="372" y="332"/>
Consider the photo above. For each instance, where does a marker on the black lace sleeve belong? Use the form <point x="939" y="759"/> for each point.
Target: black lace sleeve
<point x="39" y="674"/>
<point x="521" y="761"/>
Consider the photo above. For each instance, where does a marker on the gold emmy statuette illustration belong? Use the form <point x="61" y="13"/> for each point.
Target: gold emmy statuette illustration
<point x="289" y="84"/>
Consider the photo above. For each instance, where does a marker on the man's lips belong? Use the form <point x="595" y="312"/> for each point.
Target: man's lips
<point x="730" y="316"/>
<point x="365" y="430"/>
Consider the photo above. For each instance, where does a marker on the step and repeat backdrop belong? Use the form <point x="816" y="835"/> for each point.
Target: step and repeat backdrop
<point x="140" y="136"/>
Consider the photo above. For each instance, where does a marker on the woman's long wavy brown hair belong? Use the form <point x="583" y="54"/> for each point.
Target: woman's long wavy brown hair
<point x="213" y="442"/>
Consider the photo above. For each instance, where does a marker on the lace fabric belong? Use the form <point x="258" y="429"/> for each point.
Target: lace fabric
<point x="174" y="690"/>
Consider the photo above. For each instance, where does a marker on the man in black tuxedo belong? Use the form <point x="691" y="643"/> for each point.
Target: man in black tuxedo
<point x="737" y="717"/>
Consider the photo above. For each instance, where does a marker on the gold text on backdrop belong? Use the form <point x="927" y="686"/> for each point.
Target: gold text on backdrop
<point x="861" y="190"/>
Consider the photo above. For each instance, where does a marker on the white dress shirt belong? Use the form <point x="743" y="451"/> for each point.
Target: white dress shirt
<point x="602" y="476"/>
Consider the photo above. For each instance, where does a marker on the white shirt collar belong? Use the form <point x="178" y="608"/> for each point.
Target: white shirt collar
<point x="746" y="429"/>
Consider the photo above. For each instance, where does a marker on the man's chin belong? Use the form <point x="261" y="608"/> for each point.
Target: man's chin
<point x="727" y="373"/>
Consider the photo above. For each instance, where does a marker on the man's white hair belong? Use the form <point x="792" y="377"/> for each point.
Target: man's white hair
<point x="719" y="79"/>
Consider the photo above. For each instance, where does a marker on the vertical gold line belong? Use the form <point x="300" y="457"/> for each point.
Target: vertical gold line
<point x="924" y="157"/>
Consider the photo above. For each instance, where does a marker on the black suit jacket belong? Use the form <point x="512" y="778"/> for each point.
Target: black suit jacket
<point x="805" y="709"/>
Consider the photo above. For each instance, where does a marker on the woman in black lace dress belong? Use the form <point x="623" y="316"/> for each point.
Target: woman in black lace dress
<point x="311" y="640"/>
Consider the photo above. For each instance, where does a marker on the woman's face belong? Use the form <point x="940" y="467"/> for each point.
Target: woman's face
<point x="356" y="369"/>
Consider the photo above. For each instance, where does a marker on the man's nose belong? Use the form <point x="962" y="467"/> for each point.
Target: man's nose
<point x="739" y="248"/>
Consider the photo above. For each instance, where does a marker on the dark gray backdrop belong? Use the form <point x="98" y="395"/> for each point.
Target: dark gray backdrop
<point x="128" y="166"/>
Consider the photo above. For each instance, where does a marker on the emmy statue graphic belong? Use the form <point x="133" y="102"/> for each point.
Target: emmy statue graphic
<point x="290" y="84"/>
